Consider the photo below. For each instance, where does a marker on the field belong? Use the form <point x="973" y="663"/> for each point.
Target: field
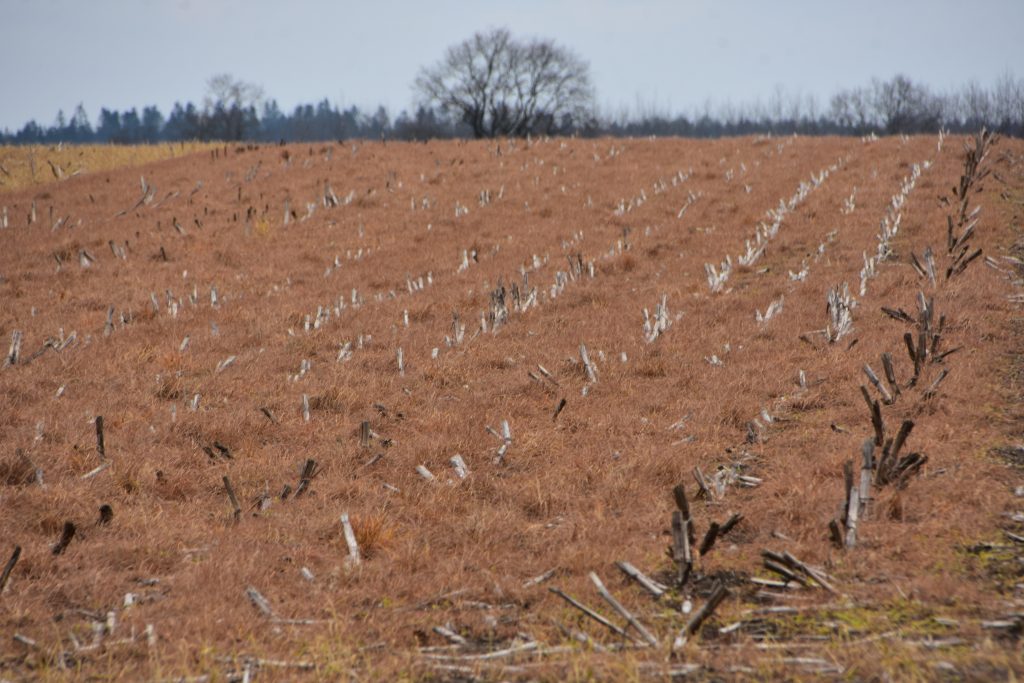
<point x="33" y="165"/>
<point x="368" y="411"/>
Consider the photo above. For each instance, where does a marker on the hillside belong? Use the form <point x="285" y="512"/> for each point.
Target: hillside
<point x="283" y="340"/>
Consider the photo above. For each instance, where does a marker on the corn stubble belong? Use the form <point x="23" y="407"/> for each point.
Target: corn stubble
<point x="504" y="409"/>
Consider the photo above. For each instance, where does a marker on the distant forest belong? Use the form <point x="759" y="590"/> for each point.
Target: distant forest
<point x="237" y="111"/>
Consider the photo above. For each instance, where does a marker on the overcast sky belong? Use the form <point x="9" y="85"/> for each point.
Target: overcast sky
<point x="658" y="54"/>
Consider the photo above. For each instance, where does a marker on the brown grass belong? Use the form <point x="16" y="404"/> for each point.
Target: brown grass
<point x="572" y="494"/>
<point x="30" y="165"/>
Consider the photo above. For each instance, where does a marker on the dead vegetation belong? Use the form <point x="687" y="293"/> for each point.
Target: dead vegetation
<point x="416" y="427"/>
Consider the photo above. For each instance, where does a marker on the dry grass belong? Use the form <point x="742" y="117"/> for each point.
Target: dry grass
<point x="572" y="494"/>
<point x="24" y="166"/>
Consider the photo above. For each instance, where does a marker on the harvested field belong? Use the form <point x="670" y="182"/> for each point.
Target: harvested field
<point x="32" y="166"/>
<point x="367" y="409"/>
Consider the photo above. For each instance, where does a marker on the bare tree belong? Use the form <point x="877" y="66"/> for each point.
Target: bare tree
<point x="1008" y="102"/>
<point x="850" y="110"/>
<point x="904" y="106"/>
<point x="230" y="106"/>
<point x="974" y="105"/>
<point x="501" y="86"/>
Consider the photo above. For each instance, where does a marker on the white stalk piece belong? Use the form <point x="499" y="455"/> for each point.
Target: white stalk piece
<point x="774" y="308"/>
<point x="655" y="326"/>
<point x="717" y="277"/>
<point x="15" y="350"/>
<point x="459" y="465"/>
<point x="354" y="557"/>
<point x="840" y="307"/>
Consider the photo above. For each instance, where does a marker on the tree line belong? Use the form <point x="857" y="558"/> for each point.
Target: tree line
<point x="267" y="123"/>
<point x="895" y="106"/>
<point x="494" y="85"/>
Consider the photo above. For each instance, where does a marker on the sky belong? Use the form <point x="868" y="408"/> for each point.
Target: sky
<point x="645" y="55"/>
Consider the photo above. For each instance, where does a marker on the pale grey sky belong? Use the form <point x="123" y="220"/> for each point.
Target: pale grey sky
<point x="673" y="56"/>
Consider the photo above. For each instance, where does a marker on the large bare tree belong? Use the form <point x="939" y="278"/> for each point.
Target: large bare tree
<point x="502" y="86"/>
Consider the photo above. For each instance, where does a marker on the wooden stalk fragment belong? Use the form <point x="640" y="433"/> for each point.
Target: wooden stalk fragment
<point x="709" y="539"/>
<point x="702" y="485"/>
<point x="851" y="517"/>
<point x="870" y="402"/>
<point x="890" y="375"/>
<point x="866" y="475"/>
<point x="621" y="609"/>
<point x="921" y="352"/>
<point x="897" y="314"/>
<point x="917" y="265"/>
<point x="929" y="263"/>
<point x="930" y="391"/>
<point x="15" y="350"/>
<point x="886" y="395"/>
<point x="908" y="339"/>
<point x="927" y="311"/>
<point x="587" y="365"/>
<point x="835" y="534"/>
<point x="877" y="424"/>
<point x="614" y="628"/>
<point x="796" y="569"/>
<point x="648" y="584"/>
<point x="9" y="567"/>
<point x="770" y="583"/>
<point x="681" y="552"/>
<point x="815" y="574"/>
<point x="937" y="337"/>
<point x="785" y="572"/>
<point x="908" y="467"/>
<point x="233" y="498"/>
<point x="451" y="635"/>
<point x="848" y="486"/>
<point x="101" y="449"/>
<point x="890" y="456"/>
<point x="901" y="437"/>
<point x="354" y="557"/>
<point x="718" y="594"/>
<point x="459" y="465"/>
<point x="682" y="504"/>
<point x="364" y="434"/>
<point x="66" y="535"/>
<point x="308" y="472"/>
<point x="539" y="579"/>
<point x="260" y="602"/>
<point x="547" y="375"/>
<point x="958" y="268"/>
<point x="558" y="409"/>
<point x="96" y="470"/>
<point x="734" y="519"/>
